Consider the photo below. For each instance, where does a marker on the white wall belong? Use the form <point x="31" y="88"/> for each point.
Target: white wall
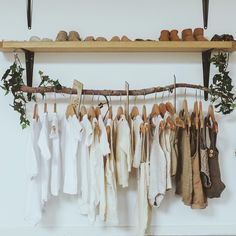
<point x="135" y="18"/>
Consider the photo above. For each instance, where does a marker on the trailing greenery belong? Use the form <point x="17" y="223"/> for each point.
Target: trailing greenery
<point x="12" y="82"/>
<point x="222" y="83"/>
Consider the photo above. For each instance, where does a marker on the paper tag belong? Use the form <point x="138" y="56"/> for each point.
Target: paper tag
<point x="77" y="99"/>
<point x="127" y="100"/>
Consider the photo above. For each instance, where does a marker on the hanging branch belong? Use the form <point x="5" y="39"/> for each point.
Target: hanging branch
<point x="136" y="92"/>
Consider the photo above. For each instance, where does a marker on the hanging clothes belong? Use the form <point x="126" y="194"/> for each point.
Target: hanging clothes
<point x="143" y="184"/>
<point x="184" y="180"/>
<point x="110" y="181"/>
<point x="99" y="148"/>
<point x="217" y="186"/>
<point x="33" y="212"/>
<point x="198" y="198"/>
<point x="205" y="172"/>
<point x="157" y="185"/>
<point x="72" y="132"/>
<point x="83" y="167"/>
<point x="165" y="144"/>
<point x="123" y="150"/>
<point x="137" y="140"/>
<point x="56" y="156"/>
<point x="174" y="151"/>
<point x="44" y="147"/>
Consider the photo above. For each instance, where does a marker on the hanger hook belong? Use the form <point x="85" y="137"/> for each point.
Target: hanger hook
<point x="144" y="97"/>
<point x="155" y="96"/>
<point x="168" y="94"/>
<point x="120" y="98"/>
<point x="135" y="100"/>
<point x="200" y="91"/>
<point x="185" y="93"/>
<point x="196" y="94"/>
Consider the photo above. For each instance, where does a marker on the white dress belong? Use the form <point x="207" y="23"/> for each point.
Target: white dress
<point x="123" y="151"/>
<point x="136" y="125"/>
<point x="84" y="168"/>
<point x="56" y="156"/>
<point x="44" y="147"/>
<point x="157" y="184"/>
<point x="98" y="149"/>
<point x="110" y="182"/>
<point x="72" y="136"/>
<point x="33" y="212"/>
<point x="165" y="143"/>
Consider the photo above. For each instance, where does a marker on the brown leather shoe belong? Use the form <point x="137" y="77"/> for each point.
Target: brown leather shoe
<point x="101" y="39"/>
<point x="187" y="35"/>
<point x="165" y="35"/>
<point x="74" y="36"/>
<point x="199" y="34"/>
<point x="125" y="38"/>
<point x="89" y="38"/>
<point x="115" y="39"/>
<point x="174" y="35"/>
<point x="62" y="36"/>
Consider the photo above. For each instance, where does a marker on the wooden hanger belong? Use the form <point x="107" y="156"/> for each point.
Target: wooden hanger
<point x="35" y="113"/>
<point x="144" y="111"/>
<point x="155" y="111"/>
<point x="211" y="114"/>
<point x="83" y="111"/>
<point x="196" y="114"/>
<point x="185" y="107"/>
<point x="120" y="111"/>
<point x="163" y="110"/>
<point x="201" y="119"/>
<point x="171" y="109"/>
<point x="98" y="111"/>
<point x="70" y="111"/>
<point x="110" y="115"/>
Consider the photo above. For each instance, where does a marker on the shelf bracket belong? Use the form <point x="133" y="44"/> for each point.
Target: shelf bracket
<point x="206" y="57"/>
<point x="205" y="8"/>
<point x="29" y="61"/>
<point x="29" y="13"/>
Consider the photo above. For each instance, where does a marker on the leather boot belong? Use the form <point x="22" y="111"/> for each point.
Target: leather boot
<point x="199" y="34"/>
<point x="62" y="36"/>
<point x="74" y="36"/>
<point x="174" y="35"/>
<point x="165" y="35"/>
<point x="187" y="35"/>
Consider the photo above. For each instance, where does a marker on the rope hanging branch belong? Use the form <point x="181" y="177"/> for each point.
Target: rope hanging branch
<point x="139" y="92"/>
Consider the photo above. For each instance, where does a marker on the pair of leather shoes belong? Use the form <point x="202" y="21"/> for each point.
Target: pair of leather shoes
<point x="167" y="35"/>
<point x="223" y="37"/>
<point x="196" y="35"/>
<point x="72" y="36"/>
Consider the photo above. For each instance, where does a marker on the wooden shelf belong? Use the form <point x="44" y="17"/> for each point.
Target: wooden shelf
<point x="134" y="46"/>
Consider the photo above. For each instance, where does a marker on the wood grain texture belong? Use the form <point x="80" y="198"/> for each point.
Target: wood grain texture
<point x="133" y="46"/>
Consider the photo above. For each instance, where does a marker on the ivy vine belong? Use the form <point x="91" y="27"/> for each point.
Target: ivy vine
<point x="222" y="83"/>
<point x="12" y="82"/>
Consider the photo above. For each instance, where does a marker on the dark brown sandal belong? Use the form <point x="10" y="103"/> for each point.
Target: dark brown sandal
<point x="62" y="36"/>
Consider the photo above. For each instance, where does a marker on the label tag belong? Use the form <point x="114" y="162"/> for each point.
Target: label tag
<point x="77" y="99"/>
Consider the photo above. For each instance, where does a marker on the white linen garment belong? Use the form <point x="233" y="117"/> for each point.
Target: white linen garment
<point x="83" y="160"/>
<point x="43" y="143"/>
<point x="33" y="212"/>
<point x="98" y="149"/>
<point x="158" y="167"/>
<point x="72" y="137"/>
<point x="56" y="156"/>
<point x="110" y="181"/>
<point x="136" y="123"/>
<point x="165" y="143"/>
<point x="123" y="150"/>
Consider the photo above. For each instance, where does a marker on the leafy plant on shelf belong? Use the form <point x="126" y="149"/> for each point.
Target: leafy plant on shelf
<point x="222" y="84"/>
<point x="12" y="83"/>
